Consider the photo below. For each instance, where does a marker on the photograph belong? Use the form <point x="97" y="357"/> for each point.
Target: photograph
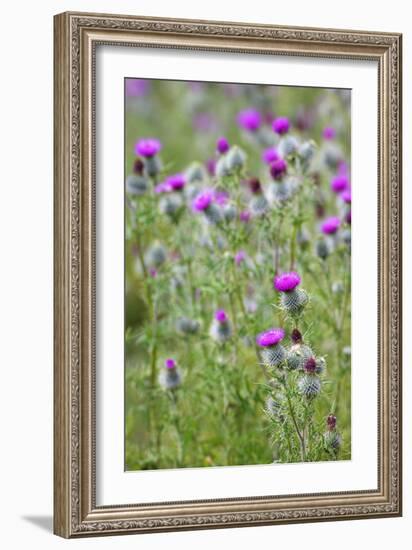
<point x="237" y="285"/>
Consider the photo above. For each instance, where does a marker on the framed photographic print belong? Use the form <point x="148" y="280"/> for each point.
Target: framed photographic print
<point x="227" y="274"/>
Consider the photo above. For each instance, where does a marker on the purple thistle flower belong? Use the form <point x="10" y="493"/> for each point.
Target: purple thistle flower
<point x="222" y="145"/>
<point x="202" y="201"/>
<point x="148" y="147"/>
<point x="176" y="182"/>
<point x="204" y="122"/>
<point x="278" y="168"/>
<point x="329" y="133"/>
<point x="211" y="166"/>
<point x="348" y="217"/>
<point x="170" y="363"/>
<point x="245" y="216"/>
<point x="221" y="316"/>
<point x="281" y="125"/>
<point x="330" y="225"/>
<point x="339" y="183"/>
<point x="310" y="365"/>
<point x="287" y="281"/>
<point x="346" y="196"/>
<point x="271" y="337"/>
<point x="240" y="257"/>
<point x="162" y="187"/>
<point x="343" y="169"/>
<point x="270" y="155"/>
<point x="331" y="422"/>
<point x="220" y="197"/>
<point x="249" y="120"/>
<point x="137" y="87"/>
<point x="138" y="167"/>
<point x="153" y="272"/>
<point x="296" y="336"/>
<point x="254" y="185"/>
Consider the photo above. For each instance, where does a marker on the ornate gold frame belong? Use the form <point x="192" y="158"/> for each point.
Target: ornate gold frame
<point x="75" y="38"/>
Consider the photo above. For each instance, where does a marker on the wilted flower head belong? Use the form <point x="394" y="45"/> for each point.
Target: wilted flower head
<point x="331" y="422"/>
<point x="330" y="225"/>
<point x="254" y="185"/>
<point x="148" y="147"/>
<point x="287" y="281"/>
<point x="346" y="196"/>
<point x="271" y="337"/>
<point x="249" y="119"/>
<point x="202" y="201"/>
<point x="281" y="125"/>
<point x="221" y="316"/>
<point x="339" y="183"/>
<point x="278" y="168"/>
<point x="138" y="166"/>
<point x="270" y="155"/>
<point x="296" y="336"/>
<point x="310" y="365"/>
<point x="222" y="145"/>
<point x="329" y="132"/>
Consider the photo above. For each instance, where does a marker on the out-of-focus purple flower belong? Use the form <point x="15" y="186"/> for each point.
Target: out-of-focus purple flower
<point x="137" y="87"/>
<point x="281" y="125"/>
<point x="162" y="187"/>
<point x="202" y="201"/>
<point x="211" y="166"/>
<point x="170" y="363"/>
<point x="176" y="182"/>
<point x="138" y="167"/>
<point x="270" y="155"/>
<point x="348" y="217"/>
<point x="329" y="133"/>
<point x="245" y="216"/>
<point x="254" y="185"/>
<point x="346" y="196"/>
<point x="240" y="257"/>
<point x="249" y="119"/>
<point x="148" y="147"/>
<point x="204" y="122"/>
<point x="153" y="272"/>
<point x="221" y="316"/>
<point x="286" y="281"/>
<point x="270" y="337"/>
<point x="304" y="119"/>
<point x="222" y="145"/>
<point x="330" y="225"/>
<point x="343" y="168"/>
<point x="220" y="197"/>
<point x="339" y="184"/>
<point x="278" y="168"/>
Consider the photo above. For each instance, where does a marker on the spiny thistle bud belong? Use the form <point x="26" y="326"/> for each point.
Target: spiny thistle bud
<point x="320" y="365"/>
<point x="307" y="151"/>
<point x="332" y="439"/>
<point x="195" y="173"/>
<point x="229" y="212"/>
<point x="213" y="213"/>
<point x="297" y="356"/>
<point x="170" y="378"/>
<point x="236" y="158"/>
<point x="170" y="205"/>
<point x="136" y="185"/>
<point x="279" y="193"/>
<point x="259" y="206"/>
<point x="152" y="166"/>
<point x="220" y="329"/>
<point x="309" y="386"/>
<point x="273" y="406"/>
<point x="222" y="169"/>
<point x="187" y="326"/>
<point x="156" y="255"/>
<point x="273" y="353"/>
<point x="288" y="146"/>
<point x="323" y="249"/>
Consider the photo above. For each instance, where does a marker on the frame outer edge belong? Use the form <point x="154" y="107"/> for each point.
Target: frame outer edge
<point x="62" y="238"/>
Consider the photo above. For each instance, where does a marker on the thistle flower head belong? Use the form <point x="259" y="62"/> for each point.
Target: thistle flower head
<point x="278" y="168"/>
<point x="271" y="337"/>
<point x="148" y="147"/>
<point x="222" y="145"/>
<point x="138" y="166"/>
<point x="254" y="185"/>
<point x="330" y="225"/>
<point x="281" y="125"/>
<point x="221" y="316"/>
<point x="287" y="281"/>
<point x="329" y="132"/>
<point x="170" y="363"/>
<point x="310" y="365"/>
<point x="348" y="217"/>
<point x="245" y="216"/>
<point x="176" y="182"/>
<point x="249" y="119"/>
<point x="339" y="183"/>
<point x="270" y="155"/>
<point x="346" y="196"/>
<point x="331" y="422"/>
<point x="202" y="201"/>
